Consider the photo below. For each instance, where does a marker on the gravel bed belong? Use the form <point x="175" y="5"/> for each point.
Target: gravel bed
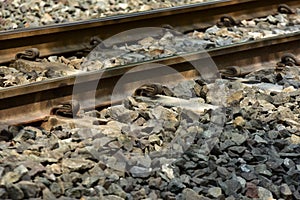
<point x="16" y="14"/>
<point x="155" y="46"/>
<point x="245" y="146"/>
<point x="172" y="43"/>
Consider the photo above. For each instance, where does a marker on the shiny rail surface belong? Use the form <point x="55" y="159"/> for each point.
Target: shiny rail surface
<point x="72" y="37"/>
<point x="34" y="102"/>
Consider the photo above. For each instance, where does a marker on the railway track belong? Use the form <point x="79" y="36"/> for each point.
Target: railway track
<point x="38" y="99"/>
<point x="73" y="37"/>
<point x="214" y="123"/>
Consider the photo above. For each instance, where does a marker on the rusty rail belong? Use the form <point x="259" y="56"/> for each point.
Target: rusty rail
<point x="72" y="37"/>
<point x="35" y="101"/>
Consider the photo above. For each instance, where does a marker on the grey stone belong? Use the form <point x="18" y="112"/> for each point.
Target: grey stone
<point x="140" y="172"/>
<point x="227" y="143"/>
<point x="214" y="192"/>
<point x="25" y="135"/>
<point x="285" y="190"/>
<point x="78" y="192"/>
<point x="288" y="163"/>
<point x="184" y="89"/>
<point x="273" y="134"/>
<point x="21" y="169"/>
<point x="168" y="195"/>
<point x="262" y="169"/>
<point x="264" y="194"/>
<point x="10" y="177"/>
<point x="245" y="168"/>
<point x="259" y="139"/>
<point x="14" y="192"/>
<point x="55" y="189"/>
<point x="231" y="187"/>
<point x="223" y="172"/>
<point x="101" y="190"/>
<point x="3" y="193"/>
<point x="14" y="176"/>
<point x="76" y="164"/>
<point x="296" y="195"/>
<point x="122" y="114"/>
<point x="29" y="188"/>
<point x="212" y="30"/>
<point x="185" y="179"/>
<point x="238" y="138"/>
<point x="144" y="161"/>
<point x="189" y="194"/>
<point x="140" y="194"/>
<point x="36" y="168"/>
<point x="155" y="182"/>
<point x="112" y="197"/>
<point x="237" y="149"/>
<point x="1" y="171"/>
<point x="208" y="145"/>
<point x="90" y="180"/>
<point x="113" y="176"/>
<point x="175" y="185"/>
<point x="242" y="181"/>
<point x="116" y="190"/>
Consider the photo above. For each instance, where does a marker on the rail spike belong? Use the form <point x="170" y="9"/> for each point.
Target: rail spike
<point x="227" y="21"/>
<point x="285" y="9"/>
<point x="95" y="40"/>
<point x="150" y="90"/>
<point x="287" y="59"/>
<point x="66" y="109"/>
<point x="29" y="54"/>
<point x="231" y="71"/>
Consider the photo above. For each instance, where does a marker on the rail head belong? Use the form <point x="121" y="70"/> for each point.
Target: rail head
<point x="115" y="19"/>
<point x="137" y="16"/>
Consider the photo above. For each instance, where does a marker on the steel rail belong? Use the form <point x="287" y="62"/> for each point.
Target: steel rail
<point x="72" y="37"/>
<point x="33" y="102"/>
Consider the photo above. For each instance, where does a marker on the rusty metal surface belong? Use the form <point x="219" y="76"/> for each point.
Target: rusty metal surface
<point x="35" y="101"/>
<point x="71" y="37"/>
